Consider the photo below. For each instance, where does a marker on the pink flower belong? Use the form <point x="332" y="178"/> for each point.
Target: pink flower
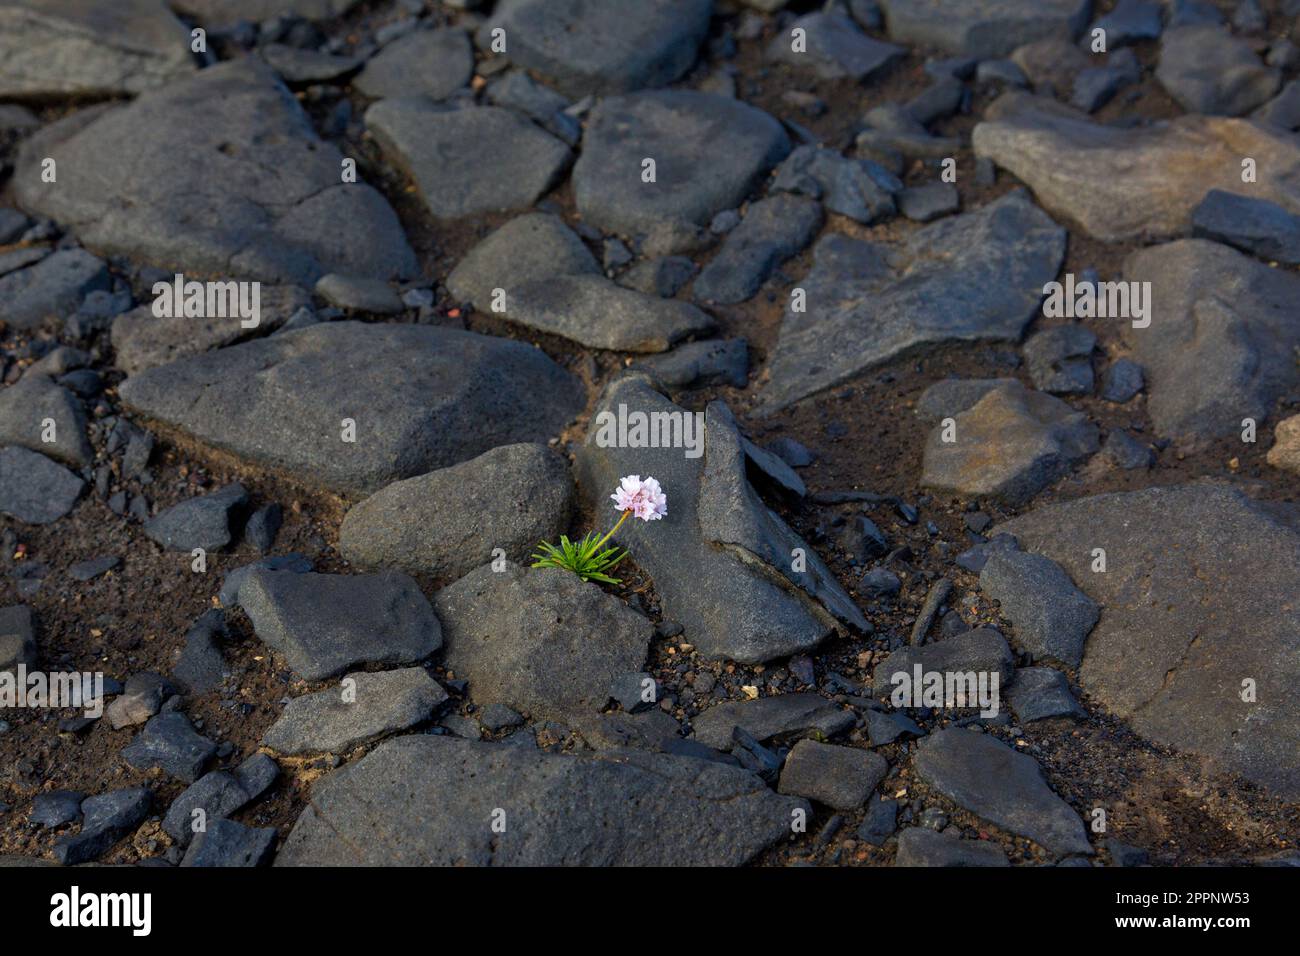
<point x="645" y="499"/>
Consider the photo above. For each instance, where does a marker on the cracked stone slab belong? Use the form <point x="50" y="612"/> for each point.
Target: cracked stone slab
<point x="983" y="28"/>
<point x="55" y="48"/>
<point x="710" y="152"/>
<point x="969" y="278"/>
<point x="1144" y="183"/>
<point x="617" y="808"/>
<point x="250" y="191"/>
<point x="539" y="640"/>
<point x="376" y="705"/>
<point x="721" y="560"/>
<point x="1198" y="595"/>
<point x="325" y="623"/>
<point x="468" y="161"/>
<point x="422" y="398"/>
<point x="601" y="47"/>
<point x="1221" y="345"/>
<point x="1002" y="786"/>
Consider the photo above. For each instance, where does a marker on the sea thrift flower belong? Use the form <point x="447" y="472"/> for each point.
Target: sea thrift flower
<point x="644" y="499"/>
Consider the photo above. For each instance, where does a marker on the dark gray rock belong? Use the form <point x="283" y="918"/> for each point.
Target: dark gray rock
<point x="709" y="152"/>
<point x="833" y="47"/>
<point x="982" y="650"/>
<point x="631" y="690"/>
<point x="539" y="640"/>
<point x="450" y="521"/>
<point x="518" y="91"/>
<point x="498" y="717"/>
<point x="921" y="846"/>
<point x="663" y="277"/>
<point x="697" y="364"/>
<point x="54" y="287"/>
<point x="422" y="398"/>
<point x="204" y="521"/>
<point x="56" y="808"/>
<point x="202" y="665"/>
<point x="624" y="808"/>
<point x="233" y="581"/>
<point x="791" y="452"/>
<point x="781" y="719"/>
<point x="1257" y="226"/>
<point x="1192" y="596"/>
<point x="601" y="46"/>
<point x="262" y="527"/>
<point x="469" y="161"/>
<point x="1058" y="359"/>
<point x="1130" y="21"/>
<point x="1052" y="617"/>
<point x="299" y="67"/>
<point x="886" y="728"/>
<point x="880" y="582"/>
<point x="1208" y="70"/>
<point x="982" y="28"/>
<point x="17" y="638"/>
<point x="356" y="294"/>
<point x="1038" y="693"/>
<point x="1002" y="786"/>
<point x="273" y="205"/>
<point x="256" y="774"/>
<point x="1009" y="445"/>
<point x="1228" y="327"/>
<point x="1127" y="452"/>
<point x="840" y="777"/>
<point x="1283" y="110"/>
<point x="973" y="277"/>
<point x="928" y="202"/>
<point x="757" y="605"/>
<point x="772" y="231"/>
<point x="528" y="248"/>
<point x="107" y="818"/>
<point x="215" y="795"/>
<point x="858" y="188"/>
<point x="170" y="743"/>
<point x="362" y="708"/>
<point x="432" y="63"/>
<point x="25" y="409"/>
<point x="880" y="821"/>
<point x="1122" y="382"/>
<point x="325" y="623"/>
<point x="651" y="730"/>
<point x="34" y="489"/>
<point x="230" y="844"/>
<point x="82" y="48"/>
<point x="951" y="396"/>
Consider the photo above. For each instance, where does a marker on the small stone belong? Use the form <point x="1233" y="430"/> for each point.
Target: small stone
<point x="17" y="638"/>
<point x="170" y="743"/>
<point x="229" y="844"/>
<point x="699" y="364"/>
<point x="359" y="294"/>
<point x="1122" y="382"/>
<point x="924" y="203"/>
<point x="89" y="570"/>
<point x="56" y="808"/>
<point x="140" y="700"/>
<point x="1257" y="226"/>
<point x="921" y="846"/>
<point x="200" y="522"/>
<point x="880" y="822"/>
<point x="1058" y="359"/>
<point x="106" y="819"/>
<point x="1052" y="617"/>
<point x="1126" y="451"/>
<point x="1038" y="693"/>
<point x="262" y="527"/>
<point x="840" y="777"/>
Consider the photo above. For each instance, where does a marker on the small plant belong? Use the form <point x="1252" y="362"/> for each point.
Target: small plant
<point x="585" y="558"/>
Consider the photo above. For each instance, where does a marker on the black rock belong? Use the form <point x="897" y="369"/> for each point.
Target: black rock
<point x="880" y="823"/>
<point x="230" y="844"/>
<point x="54" y="808"/>
<point x="263" y="526"/>
<point x="1037" y="693"/>
<point x="108" y="818"/>
<point x="202" y="665"/>
<point x="201" y="522"/>
<point x="170" y="743"/>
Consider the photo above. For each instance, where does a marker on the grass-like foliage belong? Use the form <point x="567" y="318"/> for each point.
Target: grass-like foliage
<point x="584" y="558"/>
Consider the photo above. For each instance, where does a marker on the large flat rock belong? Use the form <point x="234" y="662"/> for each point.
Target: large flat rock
<point x="983" y="28"/>
<point x="721" y="560"/>
<point x="1199" y="595"/>
<point x="710" y="152"/>
<point x="469" y="161"/>
<point x="968" y="278"/>
<point x="539" y="640"/>
<point x="601" y="46"/>
<point x="422" y="398"/>
<point x="1121" y="184"/>
<point x="51" y="48"/>
<point x="250" y="191"/>
<point x="432" y="801"/>
<point x="1221" y="343"/>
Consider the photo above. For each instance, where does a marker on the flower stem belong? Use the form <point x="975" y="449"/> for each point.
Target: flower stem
<point x="611" y="531"/>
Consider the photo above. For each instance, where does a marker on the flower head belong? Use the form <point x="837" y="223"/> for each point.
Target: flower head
<point x="645" y="499"/>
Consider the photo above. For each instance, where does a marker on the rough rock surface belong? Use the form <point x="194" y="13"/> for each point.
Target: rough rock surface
<point x="1052" y="617"/>
<point x="242" y="192"/>
<point x="326" y="623"/>
<point x="539" y="640"/>
<point x="450" y="521"/>
<point x="621" y="808"/>
<point x="1197" y="596"/>
<point x="974" y="277"/>
<point x="422" y="398"/>
<point x="1121" y="184"/>
<point x="54" y="286"/>
<point x="840" y="777"/>
<point x="983" y="28"/>
<point x="34" y="489"/>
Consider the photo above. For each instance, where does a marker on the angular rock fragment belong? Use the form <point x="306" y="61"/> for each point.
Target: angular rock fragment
<point x="783" y="718"/>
